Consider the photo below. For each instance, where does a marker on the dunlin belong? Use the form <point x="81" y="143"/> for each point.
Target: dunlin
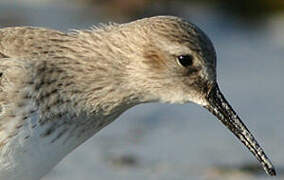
<point x="58" y="89"/>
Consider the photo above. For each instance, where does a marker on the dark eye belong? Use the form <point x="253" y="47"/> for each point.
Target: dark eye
<point x="185" y="60"/>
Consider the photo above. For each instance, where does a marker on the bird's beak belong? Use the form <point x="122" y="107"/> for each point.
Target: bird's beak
<point x="218" y="106"/>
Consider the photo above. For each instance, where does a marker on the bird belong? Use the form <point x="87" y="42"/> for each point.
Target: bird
<point x="58" y="89"/>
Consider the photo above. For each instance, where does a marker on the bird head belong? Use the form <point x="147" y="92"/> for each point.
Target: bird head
<point x="178" y="65"/>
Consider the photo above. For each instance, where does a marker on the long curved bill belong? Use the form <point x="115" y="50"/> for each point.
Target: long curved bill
<point x="225" y="113"/>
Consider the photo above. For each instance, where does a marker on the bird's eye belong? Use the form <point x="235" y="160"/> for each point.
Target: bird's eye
<point x="185" y="60"/>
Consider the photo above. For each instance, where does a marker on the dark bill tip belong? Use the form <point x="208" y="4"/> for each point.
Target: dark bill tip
<point x="225" y="113"/>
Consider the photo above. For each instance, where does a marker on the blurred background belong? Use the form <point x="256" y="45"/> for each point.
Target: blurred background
<point x="177" y="142"/>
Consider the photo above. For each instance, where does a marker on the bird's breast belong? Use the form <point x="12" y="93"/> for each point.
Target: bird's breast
<point x="42" y="141"/>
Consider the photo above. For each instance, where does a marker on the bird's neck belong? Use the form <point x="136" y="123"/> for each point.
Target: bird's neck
<point x="67" y="100"/>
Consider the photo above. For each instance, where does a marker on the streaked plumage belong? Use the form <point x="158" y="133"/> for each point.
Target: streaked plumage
<point x="58" y="89"/>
